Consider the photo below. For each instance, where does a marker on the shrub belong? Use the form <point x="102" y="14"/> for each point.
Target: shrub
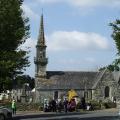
<point x="23" y="106"/>
<point x="109" y="105"/>
<point x="28" y="107"/>
<point x="5" y="104"/>
<point x="96" y="105"/>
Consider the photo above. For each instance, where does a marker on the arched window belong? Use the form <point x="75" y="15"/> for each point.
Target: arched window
<point x="56" y="95"/>
<point x="107" y="90"/>
<point x="119" y="82"/>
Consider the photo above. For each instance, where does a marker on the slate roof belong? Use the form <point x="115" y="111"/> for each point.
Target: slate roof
<point x="70" y="80"/>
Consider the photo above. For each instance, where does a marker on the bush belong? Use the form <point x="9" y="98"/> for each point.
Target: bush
<point x="5" y="104"/>
<point x="28" y="107"/>
<point x="24" y="106"/>
<point x="110" y="105"/>
<point x="96" y="105"/>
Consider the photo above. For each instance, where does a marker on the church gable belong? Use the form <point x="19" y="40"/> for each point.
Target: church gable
<point x="106" y="88"/>
<point x="107" y="79"/>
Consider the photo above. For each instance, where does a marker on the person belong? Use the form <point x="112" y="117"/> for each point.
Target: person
<point x="13" y="107"/>
<point x="69" y="106"/>
<point x="88" y="107"/>
<point x="59" y="105"/>
<point x="65" y="105"/>
<point x="83" y="103"/>
<point x="53" y="105"/>
<point x="73" y="105"/>
<point x="45" y="105"/>
<point x="114" y="99"/>
<point x="91" y="107"/>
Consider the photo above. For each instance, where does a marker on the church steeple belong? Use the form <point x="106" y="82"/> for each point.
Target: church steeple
<point x="41" y="37"/>
<point x="41" y="60"/>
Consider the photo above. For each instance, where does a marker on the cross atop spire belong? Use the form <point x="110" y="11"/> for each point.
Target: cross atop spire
<point x="41" y="37"/>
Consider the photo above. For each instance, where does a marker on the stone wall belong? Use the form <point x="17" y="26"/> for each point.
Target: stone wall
<point x="107" y="80"/>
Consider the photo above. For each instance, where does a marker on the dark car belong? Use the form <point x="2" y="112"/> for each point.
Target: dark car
<point x="5" y="113"/>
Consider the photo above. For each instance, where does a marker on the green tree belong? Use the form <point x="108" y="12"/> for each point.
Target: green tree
<point x="14" y="30"/>
<point x="115" y="66"/>
<point x="20" y="80"/>
<point x="116" y="37"/>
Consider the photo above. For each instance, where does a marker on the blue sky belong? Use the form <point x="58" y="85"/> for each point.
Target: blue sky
<point x="77" y="32"/>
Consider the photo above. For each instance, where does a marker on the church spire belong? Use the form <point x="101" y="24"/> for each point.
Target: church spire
<point x="41" y="37"/>
<point x="41" y="60"/>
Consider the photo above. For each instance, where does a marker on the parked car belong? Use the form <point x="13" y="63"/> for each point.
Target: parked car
<point x="5" y="113"/>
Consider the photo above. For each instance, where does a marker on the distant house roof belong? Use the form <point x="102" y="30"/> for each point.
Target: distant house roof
<point x="61" y="80"/>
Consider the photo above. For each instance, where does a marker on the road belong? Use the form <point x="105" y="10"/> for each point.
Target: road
<point x="102" y="115"/>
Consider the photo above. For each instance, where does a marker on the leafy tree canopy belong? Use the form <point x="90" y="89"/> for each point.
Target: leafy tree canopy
<point x="20" y="80"/>
<point x="14" y="30"/>
<point x="115" y="66"/>
<point x="116" y="37"/>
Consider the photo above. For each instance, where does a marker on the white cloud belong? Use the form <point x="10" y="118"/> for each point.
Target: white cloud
<point x="90" y="60"/>
<point x="29" y="12"/>
<point x="84" y="3"/>
<point x="74" y="40"/>
<point x="30" y="43"/>
<point x="71" y="61"/>
<point x="93" y="3"/>
<point x="48" y="1"/>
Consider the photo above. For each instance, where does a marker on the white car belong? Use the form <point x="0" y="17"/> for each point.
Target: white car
<point x="5" y="113"/>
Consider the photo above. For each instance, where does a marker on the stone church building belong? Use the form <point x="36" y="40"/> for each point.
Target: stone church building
<point x="99" y="85"/>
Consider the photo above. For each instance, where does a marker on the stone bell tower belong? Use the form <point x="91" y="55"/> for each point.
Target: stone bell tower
<point x="40" y="60"/>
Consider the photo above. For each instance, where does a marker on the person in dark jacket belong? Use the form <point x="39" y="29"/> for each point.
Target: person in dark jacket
<point x="83" y="103"/>
<point x="65" y="105"/>
<point x="53" y="102"/>
<point x="60" y="105"/>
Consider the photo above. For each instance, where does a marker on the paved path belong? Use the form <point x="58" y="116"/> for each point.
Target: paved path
<point x="109" y="114"/>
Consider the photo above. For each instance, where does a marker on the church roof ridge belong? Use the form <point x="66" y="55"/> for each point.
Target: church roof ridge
<point x="69" y="71"/>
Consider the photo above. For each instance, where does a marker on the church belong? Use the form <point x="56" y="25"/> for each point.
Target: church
<point x="98" y="85"/>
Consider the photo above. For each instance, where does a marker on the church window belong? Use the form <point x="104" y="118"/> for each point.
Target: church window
<point x="86" y="94"/>
<point x="56" y="95"/>
<point x="41" y="54"/>
<point x="107" y="89"/>
<point x="119" y="82"/>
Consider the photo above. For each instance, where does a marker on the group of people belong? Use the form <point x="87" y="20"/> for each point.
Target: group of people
<point x="58" y="105"/>
<point x="52" y="105"/>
